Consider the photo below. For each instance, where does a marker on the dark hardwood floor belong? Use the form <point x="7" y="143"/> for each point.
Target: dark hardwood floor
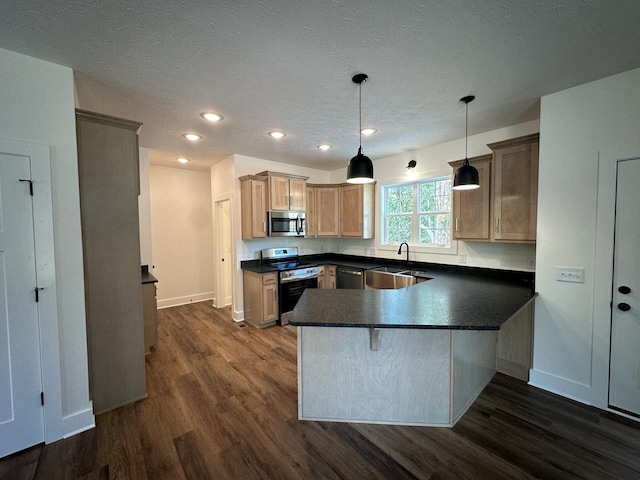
<point x="223" y="404"/>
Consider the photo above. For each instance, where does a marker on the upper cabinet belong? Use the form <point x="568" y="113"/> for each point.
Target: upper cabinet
<point x="357" y="205"/>
<point x="327" y="211"/>
<point x="515" y="189"/>
<point x="253" y="192"/>
<point x="471" y="208"/>
<point x="504" y="208"/>
<point x="285" y="192"/>
<point x="343" y="210"/>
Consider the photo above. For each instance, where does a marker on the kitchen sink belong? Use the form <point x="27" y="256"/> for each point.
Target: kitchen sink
<point x="393" y="278"/>
<point x="389" y="270"/>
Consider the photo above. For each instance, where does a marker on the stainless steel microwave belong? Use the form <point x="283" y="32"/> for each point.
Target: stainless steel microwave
<point x="286" y="224"/>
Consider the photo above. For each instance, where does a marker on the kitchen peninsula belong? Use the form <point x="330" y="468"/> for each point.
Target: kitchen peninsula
<point x="414" y="356"/>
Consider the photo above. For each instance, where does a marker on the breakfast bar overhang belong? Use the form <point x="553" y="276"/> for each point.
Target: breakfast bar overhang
<point x="415" y="356"/>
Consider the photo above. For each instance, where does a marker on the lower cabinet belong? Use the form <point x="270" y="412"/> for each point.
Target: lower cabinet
<point x="327" y="277"/>
<point x="260" y="298"/>
<point x="149" y="316"/>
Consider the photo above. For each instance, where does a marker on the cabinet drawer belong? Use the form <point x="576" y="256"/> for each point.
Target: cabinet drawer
<point x="269" y="278"/>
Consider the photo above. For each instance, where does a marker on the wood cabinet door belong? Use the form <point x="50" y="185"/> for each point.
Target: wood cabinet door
<point x="515" y="192"/>
<point x="253" y="208"/>
<point x="269" y="302"/>
<point x="351" y="213"/>
<point x="297" y="194"/>
<point x="278" y="193"/>
<point x="311" y="213"/>
<point x="471" y="207"/>
<point x="259" y="209"/>
<point x="327" y="211"/>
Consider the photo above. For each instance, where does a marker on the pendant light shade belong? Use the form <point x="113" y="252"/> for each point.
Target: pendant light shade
<point x="360" y="169"/>
<point x="466" y="177"/>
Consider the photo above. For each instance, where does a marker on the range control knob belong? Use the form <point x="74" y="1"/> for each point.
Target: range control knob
<point x="624" y="290"/>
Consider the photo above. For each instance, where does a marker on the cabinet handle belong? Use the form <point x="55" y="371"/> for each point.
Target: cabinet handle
<point x="497" y="224"/>
<point x="457" y="225"/>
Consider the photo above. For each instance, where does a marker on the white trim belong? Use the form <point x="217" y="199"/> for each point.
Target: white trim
<point x="560" y="386"/>
<point x="174" y="302"/>
<point x="603" y="265"/>
<point x="46" y="277"/>
<point x="79" y="422"/>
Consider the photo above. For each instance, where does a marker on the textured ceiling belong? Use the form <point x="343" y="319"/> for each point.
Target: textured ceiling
<point x="287" y="64"/>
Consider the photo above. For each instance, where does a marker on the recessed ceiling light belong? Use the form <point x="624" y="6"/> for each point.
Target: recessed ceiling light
<point x="368" y="131"/>
<point x="184" y="160"/>
<point x="277" y="134"/>
<point x="212" y="117"/>
<point x="194" y="137"/>
<point x="324" y="146"/>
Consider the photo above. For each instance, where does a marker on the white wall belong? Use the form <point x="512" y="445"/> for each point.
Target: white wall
<point x="181" y="232"/>
<point x="576" y="127"/>
<point x="37" y="101"/>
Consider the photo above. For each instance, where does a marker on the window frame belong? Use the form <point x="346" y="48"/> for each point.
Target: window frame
<point x="382" y="244"/>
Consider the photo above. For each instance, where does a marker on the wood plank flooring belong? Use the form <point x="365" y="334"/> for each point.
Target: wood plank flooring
<point x="223" y="405"/>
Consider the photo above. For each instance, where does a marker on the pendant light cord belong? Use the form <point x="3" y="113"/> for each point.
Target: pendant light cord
<point x="360" y="110"/>
<point x="466" y="134"/>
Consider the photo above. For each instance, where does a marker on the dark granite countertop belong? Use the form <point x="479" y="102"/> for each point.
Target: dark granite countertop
<point x="146" y="276"/>
<point x="451" y="300"/>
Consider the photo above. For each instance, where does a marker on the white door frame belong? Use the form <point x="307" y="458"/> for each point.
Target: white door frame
<point x="46" y="278"/>
<point x="603" y="272"/>
<point x="217" y="271"/>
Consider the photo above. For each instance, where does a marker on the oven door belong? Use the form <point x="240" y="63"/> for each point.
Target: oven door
<point x="290" y="293"/>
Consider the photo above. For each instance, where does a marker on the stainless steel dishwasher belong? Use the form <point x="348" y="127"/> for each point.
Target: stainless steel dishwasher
<point x="348" y="277"/>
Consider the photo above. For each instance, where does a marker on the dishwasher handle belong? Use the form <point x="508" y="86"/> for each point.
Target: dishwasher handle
<point x="350" y="271"/>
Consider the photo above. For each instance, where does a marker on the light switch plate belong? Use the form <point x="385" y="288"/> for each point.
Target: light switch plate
<point x="570" y="274"/>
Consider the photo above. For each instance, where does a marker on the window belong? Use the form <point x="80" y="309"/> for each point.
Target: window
<point x="418" y="213"/>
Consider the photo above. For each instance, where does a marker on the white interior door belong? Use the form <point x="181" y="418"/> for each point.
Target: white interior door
<point x="21" y="412"/>
<point x="624" y="380"/>
<point x="224" y="272"/>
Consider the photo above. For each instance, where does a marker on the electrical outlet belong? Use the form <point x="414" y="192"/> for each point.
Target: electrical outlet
<point x="531" y="263"/>
<point x="570" y="274"/>
<point x="462" y="258"/>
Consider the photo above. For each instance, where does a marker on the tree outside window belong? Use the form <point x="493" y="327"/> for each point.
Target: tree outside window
<point x="418" y="212"/>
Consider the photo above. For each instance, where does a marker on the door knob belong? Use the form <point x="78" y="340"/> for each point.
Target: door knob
<point x="624" y="289"/>
<point x="624" y="307"/>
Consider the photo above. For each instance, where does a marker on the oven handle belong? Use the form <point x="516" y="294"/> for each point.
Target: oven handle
<point x="294" y="279"/>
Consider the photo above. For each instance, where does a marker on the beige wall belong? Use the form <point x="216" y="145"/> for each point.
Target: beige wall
<point x="182" y="235"/>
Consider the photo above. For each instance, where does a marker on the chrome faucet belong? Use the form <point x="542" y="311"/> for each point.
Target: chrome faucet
<point x="400" y="251"/>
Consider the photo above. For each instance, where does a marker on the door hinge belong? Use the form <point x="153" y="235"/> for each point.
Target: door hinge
<point x="30" y="185"/>
<point x="42" y="398"/>
<point x="37" y="291"/>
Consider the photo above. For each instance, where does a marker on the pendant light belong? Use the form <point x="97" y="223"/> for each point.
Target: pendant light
<point x="466" y="177"/>
<point x="360" y="169"/>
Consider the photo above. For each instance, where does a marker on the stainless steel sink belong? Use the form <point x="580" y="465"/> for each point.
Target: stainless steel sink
<point x="389" y="270"/>
<point x="382" y="279"/>
<point x="393" y="278"/>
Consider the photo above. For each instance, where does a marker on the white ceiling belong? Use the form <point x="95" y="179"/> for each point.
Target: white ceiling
<point x="287" y="64"/>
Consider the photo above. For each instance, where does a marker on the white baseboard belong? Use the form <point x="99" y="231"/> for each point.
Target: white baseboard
<point x="174" y="302"/>
<point x="560" y="386"/>
<point x="78" y="422"/>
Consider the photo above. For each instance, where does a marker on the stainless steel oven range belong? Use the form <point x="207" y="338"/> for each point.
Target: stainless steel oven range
<point x="293" y="277"/>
